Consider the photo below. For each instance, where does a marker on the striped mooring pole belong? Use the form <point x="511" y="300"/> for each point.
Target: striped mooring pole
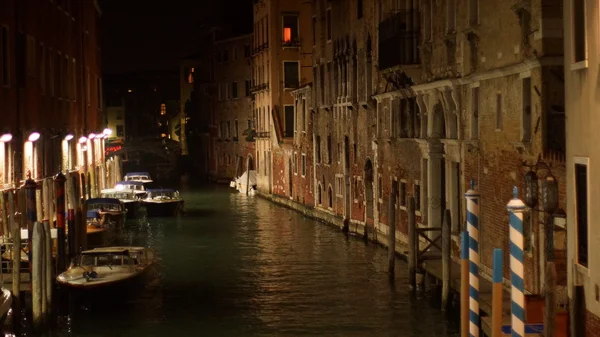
<point x="472" y="197"/>
<point x="497" y="293"/>
<point x="464" y="284"/>
<point x="516" y="207"/>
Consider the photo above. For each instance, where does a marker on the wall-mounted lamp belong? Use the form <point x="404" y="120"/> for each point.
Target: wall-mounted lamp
<point x="68" y="137"/>
<point x="5" y="138"/>
<point x="82" y="140"/>
<point x="91" y="136"/>
<point x="34" y="136"/>
<point x="107" y="132"/>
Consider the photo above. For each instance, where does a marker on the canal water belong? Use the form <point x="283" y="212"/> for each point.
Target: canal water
<point x="242" y="266"/>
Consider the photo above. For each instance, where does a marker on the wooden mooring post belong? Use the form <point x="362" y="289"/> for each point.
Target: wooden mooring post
<point x="446" y="260"/>
<point x="550" y="307"/>
<point x="59" y="190"/>
<point x="37" y="283"/>
<point x="48" y="271"/>
<point x="392" y="230"/>
<point x="15" y="228"/>
<point x="3" y="206"/>
<point x="412" y="243"/>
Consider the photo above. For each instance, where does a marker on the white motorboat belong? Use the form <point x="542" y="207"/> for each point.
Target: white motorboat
<point x="246" y="181"/>
<point x="107" y="267"/>
<point x="163" y="202"/>
<point x="137" y="187"/>
<point x="138" y="176"/>
<point x="127" y="196"/>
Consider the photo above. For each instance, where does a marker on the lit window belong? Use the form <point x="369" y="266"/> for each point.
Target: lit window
<point x="163" y="109"/>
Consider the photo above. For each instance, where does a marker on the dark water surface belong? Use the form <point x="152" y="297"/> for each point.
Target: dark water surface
<point x="241" y="266"/>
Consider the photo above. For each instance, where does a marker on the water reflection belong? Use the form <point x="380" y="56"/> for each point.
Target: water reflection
<point x="241" y="266"/>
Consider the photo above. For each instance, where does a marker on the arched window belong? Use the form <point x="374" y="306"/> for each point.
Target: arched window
<point x="330" y="196"/>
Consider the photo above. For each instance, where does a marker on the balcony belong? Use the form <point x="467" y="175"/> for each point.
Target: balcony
<point x="399" y="40"/>
<point x="259" y="87"/>
<point x="294" y="43"/>
<point x="263" y="134"/>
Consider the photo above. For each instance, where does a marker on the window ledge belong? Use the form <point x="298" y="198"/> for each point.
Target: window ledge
<point x="582" y="270"/>
<point x="579" y="65"/>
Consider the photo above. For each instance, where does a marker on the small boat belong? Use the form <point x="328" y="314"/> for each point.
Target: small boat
<point x="137" y="187"/>
<point x="127" y="196"/>
<point x="107" y="267"/>
<point x="138" y="176"/>
<point x="163" y="202"/>
<point x="105" y="218"/>
<point x="246" y="181"/>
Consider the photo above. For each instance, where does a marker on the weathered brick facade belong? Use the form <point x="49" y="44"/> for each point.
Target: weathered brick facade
<point x="50" y="83"/>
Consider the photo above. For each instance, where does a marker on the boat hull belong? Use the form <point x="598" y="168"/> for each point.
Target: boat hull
<point x="163" y="208"/>
<point x="132" y="209"/>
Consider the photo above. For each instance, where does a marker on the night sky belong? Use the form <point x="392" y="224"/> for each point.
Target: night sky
<point x="147" y="35"/>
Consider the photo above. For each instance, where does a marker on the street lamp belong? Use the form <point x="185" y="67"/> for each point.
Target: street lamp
<point x="34" y="136"/>
<point x="82" y="139"/>
<point x="5" y="138"/>
<point x="69" y="137"/>
<point x="91" y="136"/>
<point x="107" y="132"/>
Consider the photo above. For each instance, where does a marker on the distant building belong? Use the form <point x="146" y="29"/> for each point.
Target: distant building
<point x="115" y="117"/>
<point x="50" y="88"/>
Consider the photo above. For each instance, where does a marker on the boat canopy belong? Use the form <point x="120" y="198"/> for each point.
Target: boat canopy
<point x="131" y="182"/>
<point x="244" y="178"/>
<point x="109" y="201"/>
<point x="133" y="174"/>
<point x="161" y="190"/>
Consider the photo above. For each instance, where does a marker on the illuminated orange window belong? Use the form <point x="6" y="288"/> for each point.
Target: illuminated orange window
<point x="163" y="109"/>
<point x="287" y="35"/>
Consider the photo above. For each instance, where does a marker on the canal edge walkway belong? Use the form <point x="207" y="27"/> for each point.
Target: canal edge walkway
<point x="432" y="267"/>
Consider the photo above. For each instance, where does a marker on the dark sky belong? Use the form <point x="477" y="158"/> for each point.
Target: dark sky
<point x="143" y="35"/>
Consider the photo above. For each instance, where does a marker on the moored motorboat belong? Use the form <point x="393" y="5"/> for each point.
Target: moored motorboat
<point x="127" y="196"/>
<point x="163" y="202"/>
<point x="137" y="187"/>
<point x="107" y="267"/>
<point x="105" y="218"/>
<point x="138" y="176"/>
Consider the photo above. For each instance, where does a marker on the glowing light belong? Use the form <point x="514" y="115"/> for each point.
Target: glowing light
<point x="91" y="136"/>
<point x="34" y="136"/>
<point x="120" y="187"/>
<point x="107" y="132"/>
<point x="7" y="137"/>
<point x="287" y="35"/>
<point x="82" y="140"/>
<point x="129" y="90"/>
<point x="68" y="137"/>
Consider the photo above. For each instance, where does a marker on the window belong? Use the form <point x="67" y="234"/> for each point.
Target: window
<point x="120" y="131"/>
<point x="314" y="30"/>
<point x="225" y="56"/>
<point x="498" y="111"/>
<point x="475" y="113"/>
<point x="319" y="194"/>
<point x="247" y="88"/>
<point x="380" y="188"/>
<point x="581" y="212"/>
<point x="417" y="193"/>
<point x="235" y="130"/>
<point x="4" y="72"/>
<point x="359" y="9"/>
<point x="87" y="86"/>
<point x="402" y="194"/>
<point x="228" y="129"/>
<point x="579" y="34"/>
<point x="290" y="29"/>
<point x="290" y="76"/>
<point x="473" y="12"/>
<point x="330" y="196"/>
<point x="234" y="90"/>
<point x="450" y="16"/>
<point x="295" y="163"/>
<point x="247" y="52"/>
<point x="303" y="164"/>
<point x="526" y="118"/>
<point x="328" y="22"/>
<point x="329" y="153"/>
<point x="289" y="121"/>
<point x="304" y="127"/>
<point x="318" y="148"/>
<point x="339" y="185"/>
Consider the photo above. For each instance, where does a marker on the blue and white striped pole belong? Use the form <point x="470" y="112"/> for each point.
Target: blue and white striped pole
<point x="516" y="207"/>
<point x="472" y="197"/>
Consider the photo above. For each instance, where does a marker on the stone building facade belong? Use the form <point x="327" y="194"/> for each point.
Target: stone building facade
<point x="581" y="50"/>
<point x="234" y="143"/>
<point x="50" y="88"/>
<point x="282" y="54"/>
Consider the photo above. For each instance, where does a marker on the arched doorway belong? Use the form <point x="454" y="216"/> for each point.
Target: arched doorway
<point x="369" y="189"/>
